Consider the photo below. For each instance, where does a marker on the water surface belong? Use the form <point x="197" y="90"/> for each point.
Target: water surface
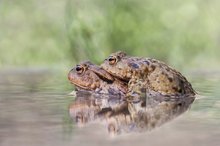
<point x="34" y="111"/>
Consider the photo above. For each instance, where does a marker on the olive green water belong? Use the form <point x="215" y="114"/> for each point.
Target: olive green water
<point x="34" y="111"/>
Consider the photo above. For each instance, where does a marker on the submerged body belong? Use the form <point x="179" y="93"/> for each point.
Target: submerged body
<point x="146" y="74"/>
<point x="91" y="77"/>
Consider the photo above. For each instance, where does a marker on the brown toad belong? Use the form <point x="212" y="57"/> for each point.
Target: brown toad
<point x="91" y="77"/>
<point x="146" y="74"/>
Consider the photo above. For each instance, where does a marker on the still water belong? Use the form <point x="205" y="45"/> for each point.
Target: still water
<point x="34" y="111"/>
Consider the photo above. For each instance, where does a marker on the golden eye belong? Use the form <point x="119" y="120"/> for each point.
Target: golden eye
<point x="112" y="60"/>
<point x="79" y="69"/>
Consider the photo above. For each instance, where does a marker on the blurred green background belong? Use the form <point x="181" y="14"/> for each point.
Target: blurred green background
<point x="61" y="33"/>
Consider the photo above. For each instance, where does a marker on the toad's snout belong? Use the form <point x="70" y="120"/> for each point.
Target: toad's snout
<point x="71" y="75"/>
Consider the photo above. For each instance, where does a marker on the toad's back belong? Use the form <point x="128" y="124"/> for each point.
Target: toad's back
<point x="164" y="79"/>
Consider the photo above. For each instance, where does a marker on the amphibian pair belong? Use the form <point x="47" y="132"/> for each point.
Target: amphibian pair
<point x="131" y="75"/>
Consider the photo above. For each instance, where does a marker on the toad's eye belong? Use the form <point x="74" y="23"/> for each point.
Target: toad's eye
<point x="112" y="60"/>
<point x="79" y="69"/>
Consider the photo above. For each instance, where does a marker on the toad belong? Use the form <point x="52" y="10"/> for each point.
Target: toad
<point x="147" y="75"/>
<point x="90" y="77"/>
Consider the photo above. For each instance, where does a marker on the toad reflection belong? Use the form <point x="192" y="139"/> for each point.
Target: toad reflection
<point x="115" y="114"/>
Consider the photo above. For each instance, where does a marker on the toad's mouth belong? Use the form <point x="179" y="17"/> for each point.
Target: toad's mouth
<point x="83" y="86"/>
<point x="118" y="75"/>
<point x="80" y="86"/>
<point x="120" y="78"/>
